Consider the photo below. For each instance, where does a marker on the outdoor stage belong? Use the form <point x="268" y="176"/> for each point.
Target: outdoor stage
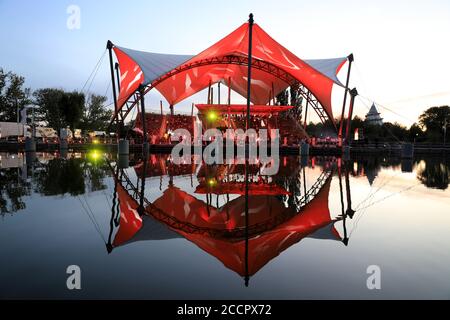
<point x="247" y="62"/>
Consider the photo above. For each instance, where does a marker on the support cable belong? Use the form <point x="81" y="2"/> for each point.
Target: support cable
<point x="388" y="130"/>
<point x="96" y="226"/>
<point x="94" y="71"/>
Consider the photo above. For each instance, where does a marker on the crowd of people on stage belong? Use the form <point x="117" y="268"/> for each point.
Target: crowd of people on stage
<point x="160" y="166"/>
<point x="180" y="121"/>
<point x="290" y="133"/>
<point x="160" y="128"/>
<point x="153" y="123"/>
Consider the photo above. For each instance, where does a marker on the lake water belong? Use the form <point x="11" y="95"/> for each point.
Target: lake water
<point x="309" y="232"/>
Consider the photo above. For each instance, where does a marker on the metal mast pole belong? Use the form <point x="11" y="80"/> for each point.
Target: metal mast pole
<point x="141" y="209"/>
<point x="144" y="125"/>
<point x="350" y="212"/>
<point x="209" y="92"/>
<point x="218" y="92"/>
<point x="110" y="46"/>
<point x="249" y="75"/>
<point x="118" y="76"/>
<point x="229" y="101"/>
<point x="249" y="82"/>
<point x="344" y="216"/>
<point x="353" y="94"/>
<point x="341" y="126"/>
<point x="306" y="110"/>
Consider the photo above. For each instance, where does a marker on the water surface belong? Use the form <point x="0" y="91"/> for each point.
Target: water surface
<point x="310" y="232"/>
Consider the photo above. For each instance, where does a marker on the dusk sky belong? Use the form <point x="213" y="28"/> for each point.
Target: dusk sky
<point x="401" y="48"/>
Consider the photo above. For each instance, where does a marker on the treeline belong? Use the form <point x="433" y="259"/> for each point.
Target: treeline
<point x="429" y="128"/>
<point x="54" y="107"/>
<point x="56" y="177"/>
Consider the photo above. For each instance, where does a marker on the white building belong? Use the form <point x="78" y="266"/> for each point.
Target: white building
<point x="374" y="117"/>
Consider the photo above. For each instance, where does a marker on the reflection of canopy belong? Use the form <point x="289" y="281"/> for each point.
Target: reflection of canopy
<point x="130" y="221"/>
<point x="188" y="210"/>
<point x="132" y="227"/>
<point x="241" y="108"/>
<point x="178" y="77"/>
<point x="263" y="247"/>
<point x="159" y="168"/>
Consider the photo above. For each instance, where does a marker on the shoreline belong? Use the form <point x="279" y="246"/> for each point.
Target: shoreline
<point x="370" y="149"/>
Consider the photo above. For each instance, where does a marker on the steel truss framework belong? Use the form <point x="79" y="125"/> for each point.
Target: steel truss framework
<point x="236" y="234"/>
<point x="273" y="70"/>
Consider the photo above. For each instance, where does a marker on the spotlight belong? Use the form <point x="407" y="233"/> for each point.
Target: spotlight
<point x="212" y="116"/>
<point x="94" y="155"/>
<point x="212" y="182"/>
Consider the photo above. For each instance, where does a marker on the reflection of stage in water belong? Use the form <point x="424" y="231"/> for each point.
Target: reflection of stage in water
<point x="237" y="215"/>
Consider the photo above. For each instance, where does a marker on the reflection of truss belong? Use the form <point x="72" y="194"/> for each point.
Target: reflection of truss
<point x="315" y="188"/>
<point x="261" y="65"/>
<point x="237" y="233"/>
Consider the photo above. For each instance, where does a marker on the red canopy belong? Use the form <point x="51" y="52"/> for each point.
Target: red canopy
<point x="268" y="245"/>
<point x="130" y="221"/>
<point x="262" y="248"/>
<point x="179" y="77"/>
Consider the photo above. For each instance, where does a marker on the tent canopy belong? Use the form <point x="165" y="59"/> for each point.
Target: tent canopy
<point x="262" y="248"/>
<point x="178" y="77"/>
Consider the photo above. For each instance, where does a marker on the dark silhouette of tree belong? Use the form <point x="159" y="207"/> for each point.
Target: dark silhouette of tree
<point x="58" y="108"/>
<point x="95" y="174"/>
<point x="435" y="174"/>
<point x="433" y="121"/>
<point x="60" y="177"/>
<point x="49" y="107"/>
<point x="12" y="189"/>
<point x="296" y="101"/>
<point x="283" y="98"/>
<point x="95" y="115"/>
<point x="72" y="108"/>
<point x="416" y="134"/>
<point x="13" y="95"/>
<point x="73" y="176"/>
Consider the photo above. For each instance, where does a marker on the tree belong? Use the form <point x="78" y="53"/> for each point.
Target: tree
<point x="58" y="108"/>
<point x="435" y="174"/>
<point x="416" y="133"/>
<point x="12" y="190"/>
<point x="73" y="176"/>
<point x="96" y="116"/>
<point x="49" y="107"/>
<point x="3" y="79"/>
<point x="61" y="177"/>
<point x="296" y="101"/>
<point x="13" y="95"/>
<point x="394" y="132"/>
<point x="433" y="121"/>
<point x="356" y="123"/>
<point x="283" y="98"/>
<point x="72" y="107"/>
